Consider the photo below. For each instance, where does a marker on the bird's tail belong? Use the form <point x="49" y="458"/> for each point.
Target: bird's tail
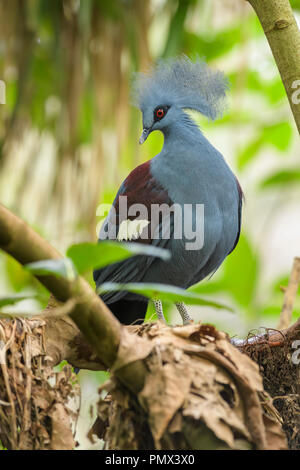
<point x="129" y="311"/>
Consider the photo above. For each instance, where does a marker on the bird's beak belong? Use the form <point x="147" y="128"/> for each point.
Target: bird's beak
<point x="144" y="135"/>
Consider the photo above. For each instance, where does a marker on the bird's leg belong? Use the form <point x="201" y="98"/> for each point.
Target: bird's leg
<point x="183" y="312"/>
<point x="159" y="310"/>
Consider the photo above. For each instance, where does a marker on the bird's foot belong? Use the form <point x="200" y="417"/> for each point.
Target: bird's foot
<point x="159" y="310"/>
<point x="186" y="319"/>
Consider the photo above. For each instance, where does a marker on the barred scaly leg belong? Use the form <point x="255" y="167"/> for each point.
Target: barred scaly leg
<point x="159" y="310"/>
<point x="183" y="313"/>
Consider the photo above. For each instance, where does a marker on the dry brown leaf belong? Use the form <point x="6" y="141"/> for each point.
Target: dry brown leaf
<point x="200" y="392"/>
<point x="62" y="436"/>
<point x="27" y="383"/>
<point x="163" y="394"/>
<point x="275" y="439"/>
<point x="131" y="349"/>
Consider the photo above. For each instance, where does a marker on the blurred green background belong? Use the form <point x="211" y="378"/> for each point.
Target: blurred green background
<point x="68" y="135"/>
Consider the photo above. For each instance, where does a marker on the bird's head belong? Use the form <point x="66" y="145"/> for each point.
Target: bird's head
<point x="173" y="86"/>
<point x="158" y="118"/>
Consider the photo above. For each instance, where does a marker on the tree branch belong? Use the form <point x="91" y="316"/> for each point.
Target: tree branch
<point x="101" y="329"/>
<point x="281" y="30"/>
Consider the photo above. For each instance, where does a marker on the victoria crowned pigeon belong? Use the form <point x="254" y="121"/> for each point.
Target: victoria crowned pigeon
<point x="186" y="199"/>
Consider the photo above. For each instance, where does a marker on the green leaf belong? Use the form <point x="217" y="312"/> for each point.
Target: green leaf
<point x="151" y="314"/>
<point x="13" y="299"/>
<point x="282" y="281"/>
<point x="18" y="277"/>
<point x="213" y="44"/>
<point x="87" y="256"/>
<point x="62" y="267"/>
<point x="278" y="135"/>
<point x="271" y="311"/>
<point x="273" y="90"/>
<point x="207" y="287"/>
<point x="295" y="4"/>
<point x="281" y="178"/>
<point x="241" y="272"/>
<point x="249" y="152"/>
<point x="176" y="29"/>
<point x="162" y="292"/>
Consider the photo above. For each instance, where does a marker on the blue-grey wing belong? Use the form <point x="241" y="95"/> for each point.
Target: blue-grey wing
<point x="138" y="188"/>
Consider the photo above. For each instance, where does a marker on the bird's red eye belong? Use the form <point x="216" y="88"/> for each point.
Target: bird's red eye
<point x="160" y="113"/>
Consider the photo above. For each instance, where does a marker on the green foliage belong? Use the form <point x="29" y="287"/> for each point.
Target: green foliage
<point x="213" y="45"/>
<point x="176" y="30"/>
<point x="85" y="127"/>
<point x="281" y="178"/>
<point x="58" y="267"/>
<point x="295" y="4"/>
<point x="18" y="278"/>
<point x="14" y="299"/>
<point x="270" y="91"/>
<point x="87" y="256"/>
<point x="278" y="135"/>
<point x="241" y="273"/>
<point x="162" y="292"/>
<point x="2" y="447"/>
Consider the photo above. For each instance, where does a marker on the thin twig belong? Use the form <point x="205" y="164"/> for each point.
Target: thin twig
<point x="28" y="371"/>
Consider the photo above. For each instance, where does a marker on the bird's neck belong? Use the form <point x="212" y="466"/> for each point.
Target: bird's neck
<point x="182" y="132"/>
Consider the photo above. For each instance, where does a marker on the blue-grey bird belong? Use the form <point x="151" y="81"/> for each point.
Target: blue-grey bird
<point x="200" y="220"/>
